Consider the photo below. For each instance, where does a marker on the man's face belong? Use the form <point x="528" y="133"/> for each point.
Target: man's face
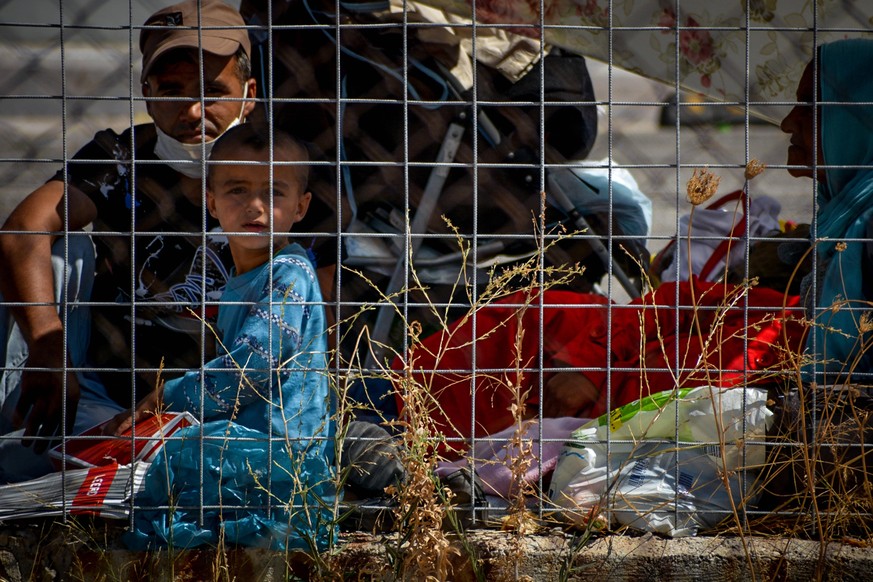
<point x="182" y="120"/>
<point x="800" y="123"/>
<point x="239" y="196"/>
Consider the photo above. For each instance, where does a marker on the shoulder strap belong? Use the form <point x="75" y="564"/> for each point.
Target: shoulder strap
<point x="720" y="252"/>
<point x="118" y="146"/>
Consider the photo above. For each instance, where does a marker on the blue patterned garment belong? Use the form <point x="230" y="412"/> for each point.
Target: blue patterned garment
<point x="266" y="440"/>
<point x="846" y="210"/>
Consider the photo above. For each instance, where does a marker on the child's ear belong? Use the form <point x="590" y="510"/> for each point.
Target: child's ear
<point x="210" y="202"/>
<point x="303" y="206"/>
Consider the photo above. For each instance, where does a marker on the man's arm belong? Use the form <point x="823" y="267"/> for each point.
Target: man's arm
<point x="25" y="261"/>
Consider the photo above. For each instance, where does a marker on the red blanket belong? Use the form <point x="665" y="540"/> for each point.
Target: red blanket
<point x="680" y="345"/>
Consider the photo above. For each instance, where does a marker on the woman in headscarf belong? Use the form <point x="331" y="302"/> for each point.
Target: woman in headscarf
<point x="835" y="147"/>
<point x="832" y="142"/>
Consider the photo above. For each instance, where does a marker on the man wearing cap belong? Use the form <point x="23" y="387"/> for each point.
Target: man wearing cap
<point x="156" y="254"/>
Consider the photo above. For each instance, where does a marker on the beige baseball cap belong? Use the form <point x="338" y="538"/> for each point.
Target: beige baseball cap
<point x="179" y="24"/>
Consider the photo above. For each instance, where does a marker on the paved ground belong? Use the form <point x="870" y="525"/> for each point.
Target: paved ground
<point x="33" y="134"/>
<point x="38" y="128"/>
<point x="639" y="140"/>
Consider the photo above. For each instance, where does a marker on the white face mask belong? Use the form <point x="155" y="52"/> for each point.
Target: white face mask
<point x="179" y="155"/>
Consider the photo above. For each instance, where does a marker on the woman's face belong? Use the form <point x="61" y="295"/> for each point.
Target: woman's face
<point x="800" y="123"/>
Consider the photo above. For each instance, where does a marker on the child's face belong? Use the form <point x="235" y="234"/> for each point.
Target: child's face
<point x="239" y="196"/>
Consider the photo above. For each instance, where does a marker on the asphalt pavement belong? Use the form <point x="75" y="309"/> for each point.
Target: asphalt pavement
<point x="38" y="128"/>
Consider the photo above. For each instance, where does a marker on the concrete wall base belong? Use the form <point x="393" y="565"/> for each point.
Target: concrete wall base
<point x="75" y="551"/>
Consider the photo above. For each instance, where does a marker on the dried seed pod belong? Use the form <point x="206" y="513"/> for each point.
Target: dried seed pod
<point x="702" y="186"/>
<point x="754" y="168"/>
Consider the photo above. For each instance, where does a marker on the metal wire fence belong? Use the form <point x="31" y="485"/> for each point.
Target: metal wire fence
<point x="504" y="229"/>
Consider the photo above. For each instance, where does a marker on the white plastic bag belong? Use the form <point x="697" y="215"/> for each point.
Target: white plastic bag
<point x="647" y="478"/>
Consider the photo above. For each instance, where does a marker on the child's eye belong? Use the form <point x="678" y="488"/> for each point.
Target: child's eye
<point x="237" y="190"/>
<point x="278" y="193"/>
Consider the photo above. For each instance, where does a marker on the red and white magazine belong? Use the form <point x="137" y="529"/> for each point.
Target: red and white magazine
<point x="104" y="491"/>
<point x="94" y="449"/>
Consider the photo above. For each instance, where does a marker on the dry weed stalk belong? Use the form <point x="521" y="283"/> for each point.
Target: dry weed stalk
<point x="519" y="519"/>
<point x="710" y="343"/>
<point x="426" y="549"/>
<point x="838" y="507"/>
<point x="701" y="187"/>
<point x="817" y="479"/>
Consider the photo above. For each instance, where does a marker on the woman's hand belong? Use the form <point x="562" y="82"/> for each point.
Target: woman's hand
<point x="568" y="394"/>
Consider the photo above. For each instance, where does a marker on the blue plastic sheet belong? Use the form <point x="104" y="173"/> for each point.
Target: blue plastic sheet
<point x="284" y="501"/>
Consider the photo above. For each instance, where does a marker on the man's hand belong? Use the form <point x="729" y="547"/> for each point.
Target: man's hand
<point x="40" y="407"/>
<point x="148" y="406"/>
